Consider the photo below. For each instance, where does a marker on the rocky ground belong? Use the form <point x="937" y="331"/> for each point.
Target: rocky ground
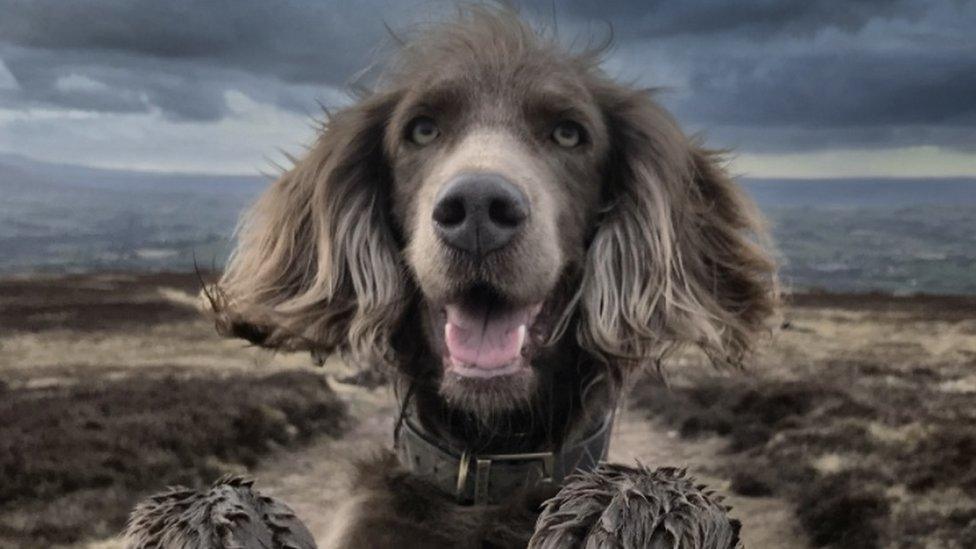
<point x="856" y="427"/>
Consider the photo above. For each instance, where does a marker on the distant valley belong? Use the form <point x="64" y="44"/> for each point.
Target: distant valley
<point x="893" y="235"/>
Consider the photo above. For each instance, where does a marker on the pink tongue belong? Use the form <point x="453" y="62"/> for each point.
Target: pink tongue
<point x="485" y="339"/>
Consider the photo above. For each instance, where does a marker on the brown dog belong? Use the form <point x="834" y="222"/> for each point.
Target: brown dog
<point x="510" y="234"/>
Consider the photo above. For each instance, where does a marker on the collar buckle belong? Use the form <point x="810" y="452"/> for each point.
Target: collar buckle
<point x="490" y="478"/>
<point x="482" y="473"/>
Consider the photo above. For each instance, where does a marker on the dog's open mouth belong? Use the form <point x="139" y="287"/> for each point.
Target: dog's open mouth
<point x="485" y="336"/>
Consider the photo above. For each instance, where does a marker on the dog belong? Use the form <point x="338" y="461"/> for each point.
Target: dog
<point x="510" y="235"/>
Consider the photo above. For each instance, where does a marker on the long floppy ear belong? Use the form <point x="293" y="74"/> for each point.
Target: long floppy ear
<point x="679" y="256"/>
<point x="316" y="264"/>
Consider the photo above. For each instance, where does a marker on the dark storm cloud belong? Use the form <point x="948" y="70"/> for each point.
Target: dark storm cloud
<point x="840" y="90"/>
<point x="303" y="41"/>
<point x="756" y="19"/>
<point x="775" y="76"/>
<point x="123" y="82"/>
<point x="762" y="74"/>
<point x="181" y="56"/>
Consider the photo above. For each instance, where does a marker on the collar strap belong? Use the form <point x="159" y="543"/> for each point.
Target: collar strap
<point x="489" y="478"/>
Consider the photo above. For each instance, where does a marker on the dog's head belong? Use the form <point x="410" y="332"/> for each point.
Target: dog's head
<point x="515" y="197"/>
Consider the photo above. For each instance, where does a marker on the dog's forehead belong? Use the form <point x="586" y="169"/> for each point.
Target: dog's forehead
<point x="516" y="89"/>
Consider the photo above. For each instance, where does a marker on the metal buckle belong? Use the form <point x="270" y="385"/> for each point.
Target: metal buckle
<point x="483" y="470"/>
<point x="462" y="476"/>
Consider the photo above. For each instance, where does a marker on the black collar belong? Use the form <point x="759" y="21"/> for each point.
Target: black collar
<point x="489" y="478"/>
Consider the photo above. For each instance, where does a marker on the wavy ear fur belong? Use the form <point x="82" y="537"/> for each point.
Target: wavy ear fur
<point x="316" y="265"/>
<point x="678" y="257"/>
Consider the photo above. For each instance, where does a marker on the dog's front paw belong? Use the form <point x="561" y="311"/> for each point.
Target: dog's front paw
<point x="620" y="506"/>
<point x="229" y="514"/>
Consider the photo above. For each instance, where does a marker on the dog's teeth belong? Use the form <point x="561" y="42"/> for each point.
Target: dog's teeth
<point x="521" y="335"/>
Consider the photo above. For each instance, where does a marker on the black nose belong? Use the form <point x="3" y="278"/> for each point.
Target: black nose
<point x="479" y="213"/>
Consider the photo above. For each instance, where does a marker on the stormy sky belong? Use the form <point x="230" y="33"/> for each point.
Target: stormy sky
<point x="798" y="88"/>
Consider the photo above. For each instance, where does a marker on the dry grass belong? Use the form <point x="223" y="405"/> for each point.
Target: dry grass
<point x="861" y="415"/>
<point x="113" y="387"/>
<point x="86" y="303"/>
<point x="75" y="459"/>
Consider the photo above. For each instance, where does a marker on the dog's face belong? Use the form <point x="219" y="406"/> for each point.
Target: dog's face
<point x="496" y="179"/>
<point x="516" y="200"/>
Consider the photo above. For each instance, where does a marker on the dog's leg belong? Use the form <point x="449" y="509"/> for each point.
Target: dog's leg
<point x="373" y="519"/>
<point x="390" y="507"/>
<point x="385" y="507"/>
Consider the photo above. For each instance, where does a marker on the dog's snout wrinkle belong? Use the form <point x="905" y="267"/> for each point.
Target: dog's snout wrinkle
<point x="479" y="213"/>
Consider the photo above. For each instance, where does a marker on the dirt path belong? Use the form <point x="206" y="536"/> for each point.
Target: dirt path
<point x="312" y="480"/>
<point x="766" y="521"/>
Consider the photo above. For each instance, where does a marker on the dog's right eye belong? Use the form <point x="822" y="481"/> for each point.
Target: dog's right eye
<point x="568" y="134"/>
<point x="422" y="130"/>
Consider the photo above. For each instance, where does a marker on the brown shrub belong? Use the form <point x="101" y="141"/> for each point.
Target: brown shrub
<point x="75" y="459"/>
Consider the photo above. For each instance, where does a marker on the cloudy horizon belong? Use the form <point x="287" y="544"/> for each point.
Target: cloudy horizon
<point x="796" y="89"/>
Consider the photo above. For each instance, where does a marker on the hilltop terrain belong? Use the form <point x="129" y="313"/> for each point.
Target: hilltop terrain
<point x="853" y="428"/>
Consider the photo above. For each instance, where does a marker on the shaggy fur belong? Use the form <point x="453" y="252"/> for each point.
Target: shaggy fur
<point x="676" y="256"/>
<point x="614" y="506"/>
<point x="229" y="514"/>
<point x="638" y="242"/>
<point x="617" y="506"/>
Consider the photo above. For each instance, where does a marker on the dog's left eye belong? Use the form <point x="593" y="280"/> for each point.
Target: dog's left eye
<point x="567" y="134"/>
<point x="422" y="130"/>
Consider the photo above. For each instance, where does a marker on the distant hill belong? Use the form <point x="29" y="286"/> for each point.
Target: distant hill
<point x="861" y="193"/>
<point x="56" y="217"/>
<point x="69" y="176"/>
<point x="898" y="235"/>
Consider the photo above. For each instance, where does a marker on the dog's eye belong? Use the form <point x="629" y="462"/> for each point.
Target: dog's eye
<point x="567" y="134"/>
<point x="422" y="130"/>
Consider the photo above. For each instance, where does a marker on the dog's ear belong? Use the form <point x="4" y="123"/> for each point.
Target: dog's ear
<point x="316" y="264"/>
<point x="679" y="254"/>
